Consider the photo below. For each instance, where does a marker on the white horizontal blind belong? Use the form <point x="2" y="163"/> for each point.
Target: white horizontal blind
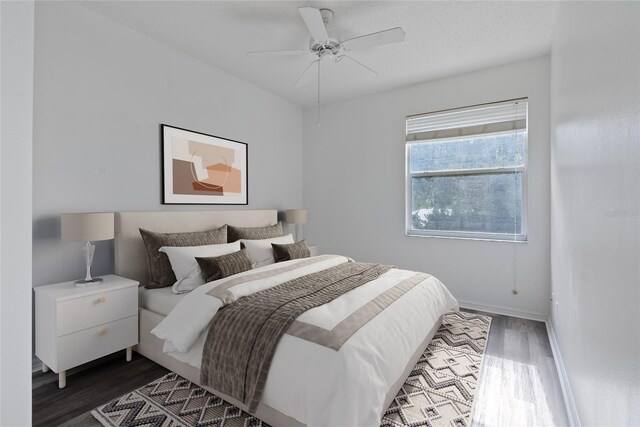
<point x="476" y="120"/>
<point x="467" y="172"/>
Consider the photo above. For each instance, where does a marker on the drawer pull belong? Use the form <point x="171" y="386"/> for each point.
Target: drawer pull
<point x="101" y="300"/>
<point x="102" y="332"/>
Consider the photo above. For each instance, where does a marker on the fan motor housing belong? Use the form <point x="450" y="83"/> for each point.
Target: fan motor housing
<point x="331" y="45"/>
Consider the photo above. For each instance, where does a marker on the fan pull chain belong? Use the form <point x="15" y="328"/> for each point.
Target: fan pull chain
<point x="319" y="92"/>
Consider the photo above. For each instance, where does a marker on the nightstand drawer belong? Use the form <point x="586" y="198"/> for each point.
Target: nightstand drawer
<point x="88" y="311"/>
<point x="84" y="346"/>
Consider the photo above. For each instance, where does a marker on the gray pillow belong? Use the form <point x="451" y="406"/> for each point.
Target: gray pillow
<point x="214" y="268"/>
<point x="292" y="251"/>
<point x="160" y="272"/>
<point x="254" y="233"/>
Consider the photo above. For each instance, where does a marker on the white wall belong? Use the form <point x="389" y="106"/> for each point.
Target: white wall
<point x="16" y="106"/>
<point x="101" y="92"/>
<point x="595" y="215"/>
<point x="354" y="187"/>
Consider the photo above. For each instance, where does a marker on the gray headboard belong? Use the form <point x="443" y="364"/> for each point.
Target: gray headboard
<point x="130" y="254"/>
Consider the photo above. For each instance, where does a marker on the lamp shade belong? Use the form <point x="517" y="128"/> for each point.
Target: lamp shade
<point x="86" y="227"/>
<point x="296" y="216"/>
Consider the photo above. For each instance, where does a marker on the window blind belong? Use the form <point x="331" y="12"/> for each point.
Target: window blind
<point x="476" y="120"/>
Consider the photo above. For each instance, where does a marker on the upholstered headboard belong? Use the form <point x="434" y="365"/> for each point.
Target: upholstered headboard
<point x="130" y="255"/>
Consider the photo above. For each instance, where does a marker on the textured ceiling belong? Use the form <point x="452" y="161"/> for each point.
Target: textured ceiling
<point x="442" y="38"/>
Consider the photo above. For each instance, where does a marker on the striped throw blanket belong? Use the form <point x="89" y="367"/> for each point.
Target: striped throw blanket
<point x="243" y="335"/>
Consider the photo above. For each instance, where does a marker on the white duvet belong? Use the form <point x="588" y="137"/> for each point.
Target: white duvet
<point x="316" y="385"/>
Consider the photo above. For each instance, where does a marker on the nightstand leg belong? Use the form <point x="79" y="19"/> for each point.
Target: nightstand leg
<point x="129" y="354"/>
<point x="62" y="379"/>
<point x="45" y="368"/>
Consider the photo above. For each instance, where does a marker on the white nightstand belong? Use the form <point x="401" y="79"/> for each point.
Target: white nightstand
<point x="314" y="250"/>
<point x="77" y="325"/>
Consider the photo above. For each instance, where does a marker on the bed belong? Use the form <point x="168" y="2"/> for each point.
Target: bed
<point x="309" y="383"/>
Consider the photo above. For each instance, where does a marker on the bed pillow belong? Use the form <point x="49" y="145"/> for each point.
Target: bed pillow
<point x="186" y="268"/>
<point x="160" y="272"/>
<point x="254" y="233"/>
<point x="261" y="251"/>
<point x="290" y="251"/>
<point x="214" y="268"/>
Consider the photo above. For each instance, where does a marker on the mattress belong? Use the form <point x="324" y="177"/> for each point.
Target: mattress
<point x="161" y="300"/>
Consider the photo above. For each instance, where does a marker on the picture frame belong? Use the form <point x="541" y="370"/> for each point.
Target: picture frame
<point x="203" y="169"/>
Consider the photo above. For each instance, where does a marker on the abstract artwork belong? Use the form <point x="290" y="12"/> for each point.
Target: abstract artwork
<point x="203" y="169"/>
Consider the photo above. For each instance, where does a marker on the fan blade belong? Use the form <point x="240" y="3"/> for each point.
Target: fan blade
<point x="278" y="53"/>
<point x="306" y="75"/>
<point x="313" y="20"/>
<point x="393" y="35"/>
<point x="357" y="62"/>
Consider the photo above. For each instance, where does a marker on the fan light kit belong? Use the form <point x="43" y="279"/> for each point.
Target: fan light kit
<point x="324" y="47"/>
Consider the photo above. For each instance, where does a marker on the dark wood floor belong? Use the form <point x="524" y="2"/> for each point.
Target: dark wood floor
<point x="518" y="385"/>
<point x="87" y="388"/>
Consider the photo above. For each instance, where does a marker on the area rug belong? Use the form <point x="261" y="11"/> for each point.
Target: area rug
<point x="441" y="387"/>
<point x="438" y="392"/>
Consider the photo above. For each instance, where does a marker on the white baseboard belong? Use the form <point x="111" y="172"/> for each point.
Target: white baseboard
<point x="569" y="403"/>
<point x="523" y="314"/>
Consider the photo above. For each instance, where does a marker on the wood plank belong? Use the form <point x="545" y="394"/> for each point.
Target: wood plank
<point x="518" y="384"/>
<point x="89" y="388"/>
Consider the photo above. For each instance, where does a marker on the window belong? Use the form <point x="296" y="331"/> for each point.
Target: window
<point x="466" y="172"/>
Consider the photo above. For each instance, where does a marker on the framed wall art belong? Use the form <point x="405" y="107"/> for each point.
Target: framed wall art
<point x="203" y="169"/>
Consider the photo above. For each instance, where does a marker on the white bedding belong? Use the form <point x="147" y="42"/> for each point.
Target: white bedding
<point x="161" y="300"/>
<point x="314" y="384"/>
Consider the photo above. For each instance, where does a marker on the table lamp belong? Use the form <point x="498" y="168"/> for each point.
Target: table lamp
<point x="297" y="217"/>
<point x="87" y="227"/>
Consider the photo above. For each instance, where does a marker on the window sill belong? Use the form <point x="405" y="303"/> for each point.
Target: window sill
<point x="480" y="239"/>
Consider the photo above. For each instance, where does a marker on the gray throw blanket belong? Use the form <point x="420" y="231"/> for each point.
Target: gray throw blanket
<point x="243" y="336"/>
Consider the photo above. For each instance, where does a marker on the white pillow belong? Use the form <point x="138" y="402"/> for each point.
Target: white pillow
<point x="186" y="268"/>
<point x="261" y="252"/>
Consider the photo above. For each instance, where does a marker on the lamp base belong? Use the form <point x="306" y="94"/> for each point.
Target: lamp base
<point x="88" y="283"/>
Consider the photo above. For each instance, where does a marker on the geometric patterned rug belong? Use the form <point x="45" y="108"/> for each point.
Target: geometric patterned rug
<point x="172" y="401"/>
<point x="438" y="392"/>
<point x="441" y="387"/>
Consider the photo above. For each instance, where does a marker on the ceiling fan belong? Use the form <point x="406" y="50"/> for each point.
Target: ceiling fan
<point x="323" y="47"/>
